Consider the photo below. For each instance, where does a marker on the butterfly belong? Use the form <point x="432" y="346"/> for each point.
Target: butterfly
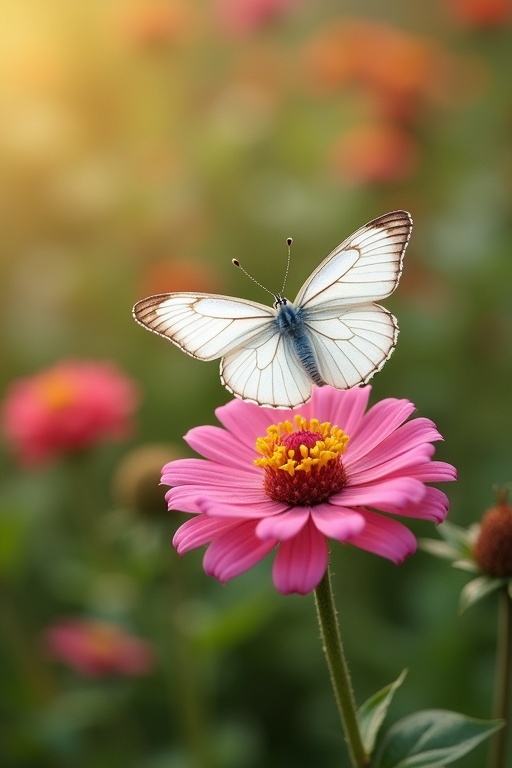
<point x="333" y="333"/>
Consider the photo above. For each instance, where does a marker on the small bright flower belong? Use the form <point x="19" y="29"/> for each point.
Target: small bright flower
<point x="289" y="480"/>
<point x="239" y="18"/>
<point x="67" y="408"/>
<point x="99" y="648"/>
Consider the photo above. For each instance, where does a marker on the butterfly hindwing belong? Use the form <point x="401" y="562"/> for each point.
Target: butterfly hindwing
<point x="267" y="372"/>
<point x="351" y="344"/>
<point x="203" y="325"/>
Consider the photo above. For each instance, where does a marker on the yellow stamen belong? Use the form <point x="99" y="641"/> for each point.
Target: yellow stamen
<point x="323" y="442"/>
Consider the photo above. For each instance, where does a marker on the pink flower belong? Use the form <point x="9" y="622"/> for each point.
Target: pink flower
<point x="99" y="648"/>
<point x="67" y="408"/>
<point x="242" y="17"/>
<point x="327" y="470"/>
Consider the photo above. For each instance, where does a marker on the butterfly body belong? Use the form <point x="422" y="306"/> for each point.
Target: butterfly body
<point x="333" y="333"/>
<point x="291" y="323"/>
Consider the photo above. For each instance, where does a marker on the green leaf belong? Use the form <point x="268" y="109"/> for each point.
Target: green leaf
<point x="457" y="545"/>
<point x="478" y="588"/>
<point x="371" y="714"/>
<point x="432" y="739"/>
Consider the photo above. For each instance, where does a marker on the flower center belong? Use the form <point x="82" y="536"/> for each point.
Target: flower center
<point x="56" y="391"/>
<point x="302" y="463"/>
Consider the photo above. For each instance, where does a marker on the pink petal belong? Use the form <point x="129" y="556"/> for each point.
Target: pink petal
<point x="203" y="472"/>
<point x="345" y="408"/>
<point x="395" y="466"/>
<point x="245" y="508"/>
<point x="182" y="500"/>
<point x="385" y="537"/>
<point x="190" y="495"/>
<point x="198" y="531"/>
<point x="284" y="526"/>
<point x="380" y="421"/>
<point x="301" y="562"/>
<point x="433" y="506"/>
<point x="246" y="421"/>
<point x="433" y="472"/>
<point x="235" y="551"/>
<point x="222" y="447"/>
<point x="415" y="435"/>
<point x="394" y="493"/>
<point x="337" y="522"/>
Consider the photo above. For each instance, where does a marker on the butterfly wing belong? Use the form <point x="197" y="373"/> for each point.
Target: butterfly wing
<point x="351" y="344"/>
<point x="266" y="371"/>
<point x="365" y="267"/>
<point x="204" y="325"/>
<point x="350" y="335"/>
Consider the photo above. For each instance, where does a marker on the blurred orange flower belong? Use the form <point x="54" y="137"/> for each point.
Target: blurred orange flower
<point x="481" y="13"/>
<point x="179" y="275"/>
<point x="67" y="408"/>
<point x="397" y="67"/>
<point x="149" y="23"/>
<point x="99" y="648"/>
<point x="376" y="153"/>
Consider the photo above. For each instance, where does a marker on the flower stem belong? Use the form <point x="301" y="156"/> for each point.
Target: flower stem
<point x="498" y="751"/>
<point x="338" y="670"/>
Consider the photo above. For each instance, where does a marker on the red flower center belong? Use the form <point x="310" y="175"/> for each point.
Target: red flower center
<point x="302" y="465"/>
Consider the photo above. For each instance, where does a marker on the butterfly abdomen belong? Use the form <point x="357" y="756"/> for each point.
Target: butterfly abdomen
<point x="291" y="323"/>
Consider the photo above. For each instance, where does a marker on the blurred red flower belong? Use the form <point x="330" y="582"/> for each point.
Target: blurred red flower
<point x="67" y="408"/>
<point x="98" y="648"/>
<point x="377" y="153"/>
<point x="481" y="13"/>
<point x="241" y="17"/>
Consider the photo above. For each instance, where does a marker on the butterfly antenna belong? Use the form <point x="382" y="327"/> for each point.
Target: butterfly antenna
<point x="236" y="263"/>
<point x="289" y="243"/>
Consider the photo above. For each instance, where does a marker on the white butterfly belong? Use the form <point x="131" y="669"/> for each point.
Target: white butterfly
<point x="333" y="333"/>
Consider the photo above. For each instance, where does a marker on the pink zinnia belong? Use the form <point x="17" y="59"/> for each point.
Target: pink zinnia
<point x="66" y="408"/>
<point x="327" y="470"/>
<point x="98" y="648"/>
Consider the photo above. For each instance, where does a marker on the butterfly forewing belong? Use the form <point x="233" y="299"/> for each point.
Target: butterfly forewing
<point x="204" y="325"/>
<point x="365" y="267"/>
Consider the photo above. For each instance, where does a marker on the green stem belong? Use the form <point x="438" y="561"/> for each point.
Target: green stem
<point x="498" y="751"/>
<point x="338" y="670"/>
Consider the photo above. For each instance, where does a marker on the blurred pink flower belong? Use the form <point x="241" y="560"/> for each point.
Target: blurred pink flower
<point x="98" y="648"/>
<point x="310" y="482"/>
<point x="67" y="408"/>
<point x="242" y="17"/>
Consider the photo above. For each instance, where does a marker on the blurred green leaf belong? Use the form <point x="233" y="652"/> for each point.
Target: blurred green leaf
<point x="371" y="714"/>
<point x="477" y="589"/>
<point x="432" y="739"/>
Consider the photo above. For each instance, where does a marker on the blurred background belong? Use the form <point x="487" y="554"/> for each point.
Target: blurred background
<point x="143" y="145"/>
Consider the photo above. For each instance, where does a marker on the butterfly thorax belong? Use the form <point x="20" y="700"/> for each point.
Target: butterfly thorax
<point x="289" y="318"/>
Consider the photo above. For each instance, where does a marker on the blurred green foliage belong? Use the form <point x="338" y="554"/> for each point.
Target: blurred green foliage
<point x="143" y="144"/>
